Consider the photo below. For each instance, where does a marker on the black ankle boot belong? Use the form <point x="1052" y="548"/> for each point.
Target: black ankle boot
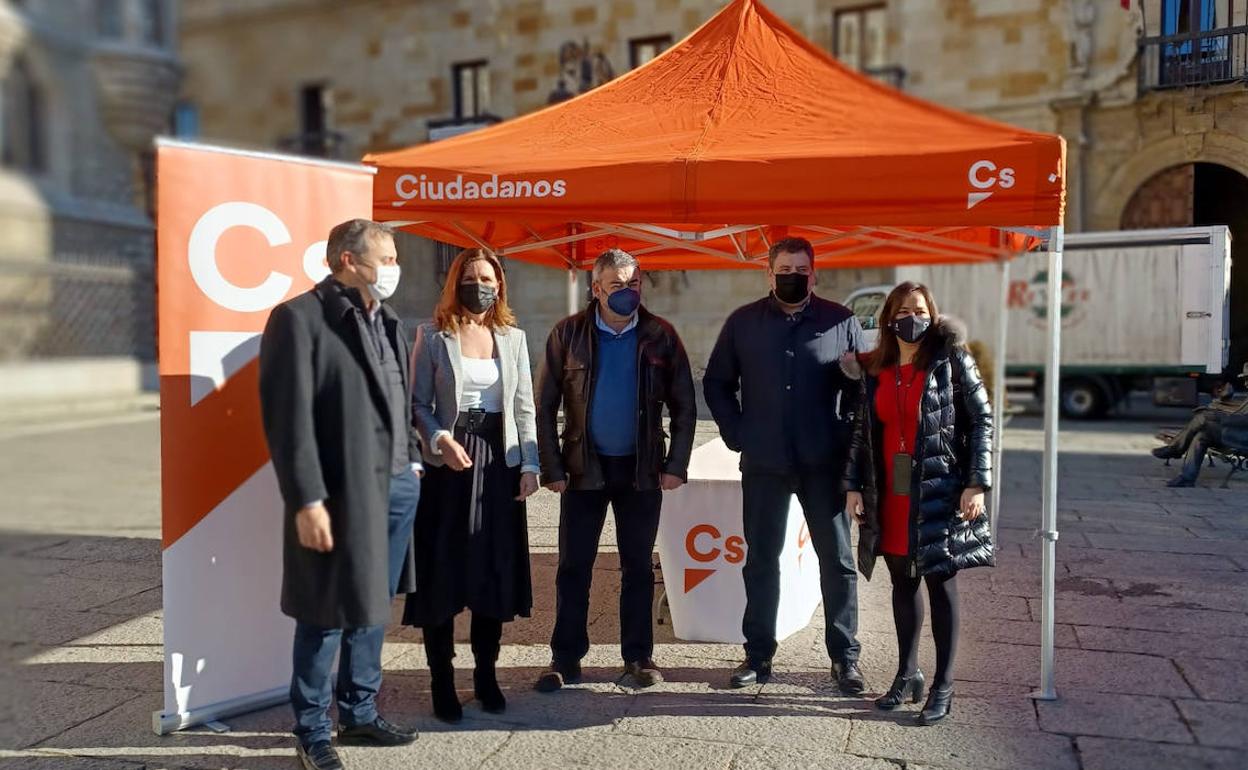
<point x="440" y="650"/>
<point x="485" y="686"/>
<point x="905" y="689"/>
<point x="939" y="704"/>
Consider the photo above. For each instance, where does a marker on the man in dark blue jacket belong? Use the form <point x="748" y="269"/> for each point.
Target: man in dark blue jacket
<point x="791" y="424"/>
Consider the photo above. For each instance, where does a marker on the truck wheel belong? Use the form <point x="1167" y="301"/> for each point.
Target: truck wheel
<point x="1083" y="399"/>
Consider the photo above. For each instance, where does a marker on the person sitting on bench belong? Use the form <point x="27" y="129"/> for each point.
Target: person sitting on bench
<point x="1206" y="429"/>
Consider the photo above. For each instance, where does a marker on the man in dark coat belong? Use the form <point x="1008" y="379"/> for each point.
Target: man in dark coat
<point x="791" y="424"/>
<point x="337" y="417"/>
<point x="613" y="367"/>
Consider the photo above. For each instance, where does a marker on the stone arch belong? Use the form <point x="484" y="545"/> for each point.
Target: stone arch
<point x="1214" y="147"/>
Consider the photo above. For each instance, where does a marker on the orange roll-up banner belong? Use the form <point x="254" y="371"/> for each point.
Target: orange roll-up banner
<point x="237" y="233"/>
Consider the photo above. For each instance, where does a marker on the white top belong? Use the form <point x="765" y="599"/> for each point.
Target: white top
<point x="483" y="386"/>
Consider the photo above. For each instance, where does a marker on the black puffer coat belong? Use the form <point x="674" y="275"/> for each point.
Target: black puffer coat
<point x="953" y="452"/>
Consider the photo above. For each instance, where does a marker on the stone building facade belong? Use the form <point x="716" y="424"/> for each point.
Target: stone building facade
<point x="1157" y="131"/>
<point x="86" y="85"/>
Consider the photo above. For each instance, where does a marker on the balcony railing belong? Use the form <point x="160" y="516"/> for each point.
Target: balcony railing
<point x="1194" y="58"/>
<point x="318" y="144"/>
<point x="894" y="76"/>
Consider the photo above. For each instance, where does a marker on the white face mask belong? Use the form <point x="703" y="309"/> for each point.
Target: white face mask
<point x="387" y="281"/>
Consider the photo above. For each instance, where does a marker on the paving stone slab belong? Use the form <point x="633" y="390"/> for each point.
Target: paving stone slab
<point x="1116" y="754"/>
<point x="754" y="722"/>
<point x="1115" y="613"/>
<point x="1215" y="680"/>
<point x="1217" y="724"/>
<point x="771" y="758"/>
<point x="542" y="750"/>
<point x="1081" y="669"/>
<point x="1156" y="544"/>
<point x="50" y="708"/>
<point x="1151" y="642"/>
<point x="955" y="745"/>
<point x="1081" y="712"/>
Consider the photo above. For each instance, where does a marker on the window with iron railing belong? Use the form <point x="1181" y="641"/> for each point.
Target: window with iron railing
<point x="1199" y="44"/>
<point x="860" y="40"/>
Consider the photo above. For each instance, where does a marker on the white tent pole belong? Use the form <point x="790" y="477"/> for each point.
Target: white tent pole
<point x="574" y="291"/>
<point x="998" y="376"/>
<point x="1048" y="500"/>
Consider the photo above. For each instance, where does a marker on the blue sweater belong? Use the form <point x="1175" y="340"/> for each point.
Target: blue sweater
<point x="613" y="403"/>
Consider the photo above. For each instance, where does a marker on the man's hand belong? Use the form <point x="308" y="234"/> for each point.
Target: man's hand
<point x="558" y="487"/>
<point x="669" y="482"/>
<point x="453" y="453"/>
<point x="312" y="524"/>
<point x="853" y="504"/>
<point x="972" y="505"/>
<point x="528" y="485"/>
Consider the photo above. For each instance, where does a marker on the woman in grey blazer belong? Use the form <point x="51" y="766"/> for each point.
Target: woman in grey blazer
<point x="472" y="402"/>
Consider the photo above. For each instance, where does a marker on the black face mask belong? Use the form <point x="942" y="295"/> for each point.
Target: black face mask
<point x="477" y="297"/>
<point x="911" y="328"/>
<point x="792" y="288"/>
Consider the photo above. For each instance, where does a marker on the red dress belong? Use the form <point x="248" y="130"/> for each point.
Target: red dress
<point x="896" y="417"/>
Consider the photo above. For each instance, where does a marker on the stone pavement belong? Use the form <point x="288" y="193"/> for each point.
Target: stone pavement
<point x="1152" y="635"/>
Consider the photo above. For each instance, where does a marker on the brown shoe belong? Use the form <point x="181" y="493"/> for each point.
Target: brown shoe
<point x="645" y="673"/>
<point x="559" y="674"/>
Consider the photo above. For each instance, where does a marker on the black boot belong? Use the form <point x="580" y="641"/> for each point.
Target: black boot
<point x="440" y="650"/>
<point x="905" y="689"/>
<point x="486" y="637"/>
<point x="939" y="704"/>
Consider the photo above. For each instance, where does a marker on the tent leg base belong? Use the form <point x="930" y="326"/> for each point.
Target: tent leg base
<point x="1049" y="695"/>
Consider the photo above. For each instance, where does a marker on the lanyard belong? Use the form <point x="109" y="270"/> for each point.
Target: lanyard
<point x="902" y="403"/>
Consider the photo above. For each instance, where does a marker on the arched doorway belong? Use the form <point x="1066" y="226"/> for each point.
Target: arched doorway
<point x="1195" y="194"/>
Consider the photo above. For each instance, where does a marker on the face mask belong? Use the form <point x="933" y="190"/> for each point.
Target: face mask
<point x="477" y="298"/>
<point x="624" y="301"/>
<point x="792" y="288"/>
<point x="387" y="281"/>
<point x="911" y="328"/>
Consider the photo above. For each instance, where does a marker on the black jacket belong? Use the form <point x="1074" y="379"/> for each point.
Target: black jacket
<point x="567" y="377"/>
<point x="795" y="406"/>
<point x="953" y="451"/>
<point x="327" y="421"/>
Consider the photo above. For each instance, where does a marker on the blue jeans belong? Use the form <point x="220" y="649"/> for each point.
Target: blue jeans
<point x="358" y="649"/>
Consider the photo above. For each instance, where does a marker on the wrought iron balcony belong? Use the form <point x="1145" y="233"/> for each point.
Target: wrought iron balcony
<point x="318" y="144"/>
<point x="1194" y="59"/>
<point x="894" y="75"/>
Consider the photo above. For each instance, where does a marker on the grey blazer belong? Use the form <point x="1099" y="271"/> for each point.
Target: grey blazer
<point x="437" y="387"/>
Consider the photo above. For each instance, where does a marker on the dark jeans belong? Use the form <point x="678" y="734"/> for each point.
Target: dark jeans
<point x="358" y="649"/>
<point x="581" y="517"/>
<point x="1209" y="433"/>
<point x="765" y="501"/>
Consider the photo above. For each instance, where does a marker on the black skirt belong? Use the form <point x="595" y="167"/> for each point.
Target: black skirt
<point x="471" y="534"/>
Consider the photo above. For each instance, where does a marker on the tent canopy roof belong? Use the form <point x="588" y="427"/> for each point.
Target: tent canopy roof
<point x="741" y="133"/>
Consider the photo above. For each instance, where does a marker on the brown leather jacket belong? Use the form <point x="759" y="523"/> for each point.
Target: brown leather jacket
<point x="567" y="377"/>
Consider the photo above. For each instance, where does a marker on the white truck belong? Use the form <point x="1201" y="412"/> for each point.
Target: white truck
<point x="1140" y="309"/>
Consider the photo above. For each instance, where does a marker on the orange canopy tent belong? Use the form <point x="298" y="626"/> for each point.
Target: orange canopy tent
<point x="743" y="133"/>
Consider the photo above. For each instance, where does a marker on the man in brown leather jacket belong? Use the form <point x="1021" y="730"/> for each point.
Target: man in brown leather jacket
<point x="613" y="367"/>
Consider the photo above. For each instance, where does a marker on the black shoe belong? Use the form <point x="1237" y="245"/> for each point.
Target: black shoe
<point x="1167" y="452"/>
<point x="905" y="689"/>
<point x="1179" y="481"/>
<point x="485" y="687"/>
<point x="645" y="673"/>
<point x="446" y="705"/>
<point x="751" y="672"/>
<point x="849" y="677"/>
<point x="318" y="756"/>
<point x="379" y="732"/>
<point x="939" y="704"/>
<point x="559" y="674"/>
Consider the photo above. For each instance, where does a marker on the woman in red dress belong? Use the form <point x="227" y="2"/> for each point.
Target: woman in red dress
<point x="919" y="465"/>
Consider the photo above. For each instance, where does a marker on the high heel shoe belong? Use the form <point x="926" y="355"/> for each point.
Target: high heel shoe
<point x="905" y="689"/>
<point x="939" y="704"/>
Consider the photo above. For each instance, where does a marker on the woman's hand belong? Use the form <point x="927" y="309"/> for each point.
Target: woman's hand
<point x="456" y="458"/>
<point x="528" y="485"/>
<point x="853" y="504"/>
<point x="972" y="505"/>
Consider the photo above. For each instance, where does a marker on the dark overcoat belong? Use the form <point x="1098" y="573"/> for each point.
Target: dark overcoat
<point x="328" y="426"/>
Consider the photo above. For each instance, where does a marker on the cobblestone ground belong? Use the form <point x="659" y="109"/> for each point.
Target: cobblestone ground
<point x="1152" y="633"/>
